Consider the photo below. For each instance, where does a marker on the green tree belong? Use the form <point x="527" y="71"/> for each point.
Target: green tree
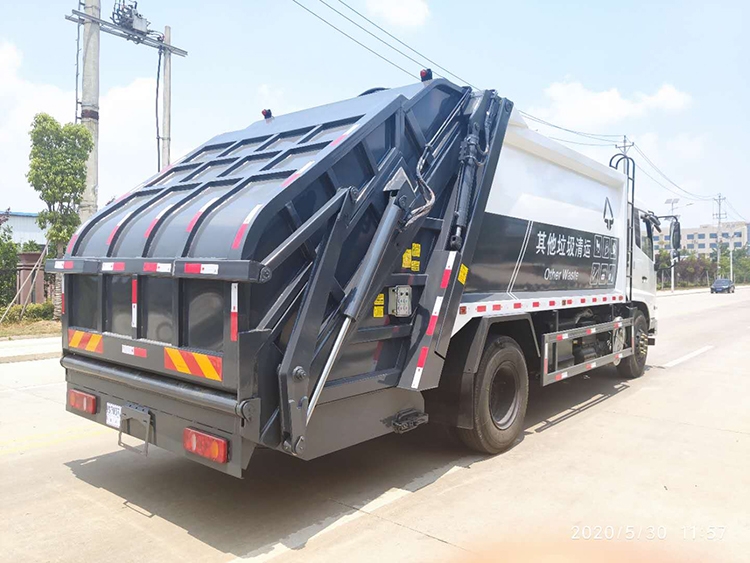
<point x="8" y="264"/>
<point x="57" y="171"/>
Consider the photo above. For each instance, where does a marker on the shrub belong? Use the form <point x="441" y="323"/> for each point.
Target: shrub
<point x="34" y="312"/>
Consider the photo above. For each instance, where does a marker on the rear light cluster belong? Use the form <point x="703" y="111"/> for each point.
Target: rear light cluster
<point x="80" y="401"/>
<point x="205" y="445"/>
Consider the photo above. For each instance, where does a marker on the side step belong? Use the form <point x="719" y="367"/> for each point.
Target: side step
<point x="408" y="420"/>
<point x="550" y="373"/>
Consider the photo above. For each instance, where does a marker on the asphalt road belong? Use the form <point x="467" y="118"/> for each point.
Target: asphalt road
<point x="664" y="459"/>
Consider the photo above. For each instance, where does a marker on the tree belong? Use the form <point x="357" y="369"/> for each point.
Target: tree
<point x="8" y="262"/>
<point x="57" y="171"/>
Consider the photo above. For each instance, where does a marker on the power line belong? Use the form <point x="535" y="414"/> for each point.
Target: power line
<point x="612" y="144"/>
<point x="668" y="179"/>
<point x="325" y="21"/>
<point x="405" y="45"/>
<point x="735" y="211"/>
<point x="605" y="139"/>
<point x="595" y="136"/>
<point x="383" y="41"/>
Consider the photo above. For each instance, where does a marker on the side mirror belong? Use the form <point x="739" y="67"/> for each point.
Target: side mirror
<point x="674" y="235"/>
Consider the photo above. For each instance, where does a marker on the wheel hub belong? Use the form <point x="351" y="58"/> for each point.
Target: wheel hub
<point x="504" y="401"/>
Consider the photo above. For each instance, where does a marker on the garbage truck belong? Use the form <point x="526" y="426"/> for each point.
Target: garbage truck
<point x="322" y="278"/>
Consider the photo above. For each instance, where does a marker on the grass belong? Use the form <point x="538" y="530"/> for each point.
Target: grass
<point x="30" y="328"/>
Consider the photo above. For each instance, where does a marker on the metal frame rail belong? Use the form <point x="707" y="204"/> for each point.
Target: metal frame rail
<point x="552" y="339"/>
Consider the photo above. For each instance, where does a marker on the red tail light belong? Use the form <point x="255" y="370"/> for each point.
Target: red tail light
<point x="205" y="445"/>
<point x="81" y="401"/>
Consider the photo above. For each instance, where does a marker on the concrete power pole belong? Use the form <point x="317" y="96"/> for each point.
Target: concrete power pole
<point x="719" y="216"/>
<point x="166" y="128"/>
<point x="90" y="106"/>
<point x="127" y="24"/>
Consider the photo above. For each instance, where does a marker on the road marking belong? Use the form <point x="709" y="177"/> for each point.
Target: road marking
<point x="687" y="357"/>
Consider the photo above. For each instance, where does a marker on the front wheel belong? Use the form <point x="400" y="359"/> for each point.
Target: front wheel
<point x="501" y="394"/>
<point x="634" y="365"/>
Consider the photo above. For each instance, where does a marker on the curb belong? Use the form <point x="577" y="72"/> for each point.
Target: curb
<point x="30" y="357"/>
<point x="28" y="337"/>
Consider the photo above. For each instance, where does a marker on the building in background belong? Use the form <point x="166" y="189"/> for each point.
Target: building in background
<point x="25" y="228"/>
<point x="705" y="239"/>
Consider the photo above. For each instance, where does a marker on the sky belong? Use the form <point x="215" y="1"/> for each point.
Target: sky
<point x="671" y="75"/>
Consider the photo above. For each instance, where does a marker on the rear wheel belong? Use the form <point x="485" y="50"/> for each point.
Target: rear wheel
<point x="633" y="366"/>
<point x="501" y="394"/>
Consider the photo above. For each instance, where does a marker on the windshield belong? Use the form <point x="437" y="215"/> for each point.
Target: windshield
<point x="722" y="282"/>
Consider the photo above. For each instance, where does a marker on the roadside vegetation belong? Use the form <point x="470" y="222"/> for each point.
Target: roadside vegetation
<point x="695" y="270"/>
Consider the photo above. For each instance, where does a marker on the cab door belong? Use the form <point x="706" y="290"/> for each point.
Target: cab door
<point x="644" y="275"/>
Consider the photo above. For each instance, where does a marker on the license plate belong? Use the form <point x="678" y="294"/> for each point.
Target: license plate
<point x="114" y="414"/>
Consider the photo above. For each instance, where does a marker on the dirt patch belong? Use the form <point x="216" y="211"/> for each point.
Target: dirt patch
<point x="30" y="328"/>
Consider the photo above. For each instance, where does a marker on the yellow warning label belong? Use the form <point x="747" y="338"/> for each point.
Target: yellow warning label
<point x="377" y="311"/>
<point x="416" y="250"/>
<point x="415" y="265"/>
<point x="462" y="273"/>
<point x="380" y="299"/>
<point x="406" y="259"/>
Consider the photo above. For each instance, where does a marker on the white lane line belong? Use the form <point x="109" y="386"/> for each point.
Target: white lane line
<point x="687" y="357"/>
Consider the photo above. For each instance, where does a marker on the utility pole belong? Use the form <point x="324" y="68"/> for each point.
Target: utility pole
<point x="719" y="216"/>
<point x="90" y="105"/>
<point x="166" y="128"/>
<point x="128" y="24"/>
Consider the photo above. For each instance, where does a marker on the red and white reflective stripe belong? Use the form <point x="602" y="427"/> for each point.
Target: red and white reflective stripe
<point x="206" y="269"/>
<point x="591" y="330"/>
<point x="156" y="220"/>
<point x="344" y="135"/>
<point x="562" y="375"/>
<point x="618" y="356"/>
<point x="197" y="216"/>
<point x="113" y="266"/>
<point x="161" y="267"/>
<point x="62" y="294"/>
<point x="72" y="242"/>
<point x="297" y="174"/>
<point x="117" y="227"/>
<point x="233" y="315"/>
<point x="134" y="303"/>
<point x="618" y="324"/>
<point x="482" y="307"/>
<point x="243" y="227"/>
<point x="63" y="264"/>
<point x="434" y="317"/>
<point x="592" y="365"/>
<point x="134" y="351"/>
<point x="420" y="366"/>
<point x="563" y="336"/>
<point x="448" y="270"/>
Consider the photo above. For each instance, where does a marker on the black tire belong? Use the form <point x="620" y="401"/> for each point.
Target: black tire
<point x="633" y="366"/>
<point x="501" y="394"/>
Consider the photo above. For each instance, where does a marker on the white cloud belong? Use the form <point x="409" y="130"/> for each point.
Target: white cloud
<point x="406" y="13"/>
<point x="20" y="100"/>
<point x="571" y="104"/>
<point x="127" y="135"/>
<point x="683" y="156"/>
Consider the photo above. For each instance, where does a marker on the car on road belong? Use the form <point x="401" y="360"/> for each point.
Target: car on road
<point x="722" y="286"/>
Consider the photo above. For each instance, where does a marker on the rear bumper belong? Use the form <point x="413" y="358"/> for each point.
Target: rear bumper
<point x="172" y="406"/>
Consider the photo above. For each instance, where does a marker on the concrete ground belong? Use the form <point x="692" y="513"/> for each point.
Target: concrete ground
<point x="26" y="349"/>
<point x="664" y="460"/>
